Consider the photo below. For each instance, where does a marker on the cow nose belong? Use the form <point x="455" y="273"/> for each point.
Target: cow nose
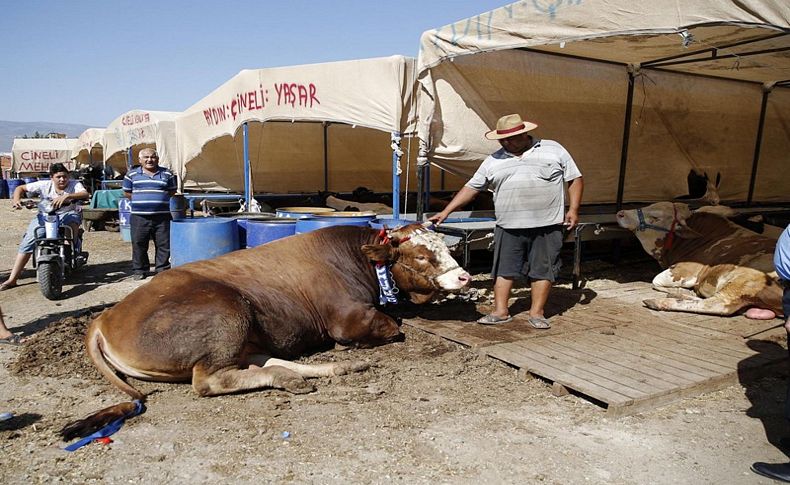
<point x="464" y="278"/>
<point x="620" y="214"/>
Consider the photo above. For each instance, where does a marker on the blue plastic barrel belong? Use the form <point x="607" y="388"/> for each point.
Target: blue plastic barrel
<point x="201" y="238"/>
<point x="178" y="207"/>
<point x="12" y="185"/>
<point x="261" y="232"/>
<point x="242" y="218"/>
<point x="30" y="180"/>
<point x="302" y="212"/>
<point x="307" y="225"/>
<point x="124" y="211"/>
<point x="390" y="223"/>
<point x="3" y="189"/>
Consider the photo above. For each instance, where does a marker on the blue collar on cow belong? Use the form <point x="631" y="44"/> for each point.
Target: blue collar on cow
<point x="670" y="232"/>
<point x="388" y="292"/>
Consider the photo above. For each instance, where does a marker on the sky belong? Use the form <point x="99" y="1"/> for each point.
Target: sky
<point x="88" y="62"/>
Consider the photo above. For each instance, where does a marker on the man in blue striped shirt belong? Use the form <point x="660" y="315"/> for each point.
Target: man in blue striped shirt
<point x="150" y="187"/>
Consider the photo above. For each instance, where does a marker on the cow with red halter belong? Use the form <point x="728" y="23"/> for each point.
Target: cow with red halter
<point x="228" y="324"/>
<point x="729" y="268"/>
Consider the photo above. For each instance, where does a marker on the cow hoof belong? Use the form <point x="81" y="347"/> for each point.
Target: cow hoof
<point x="759" y="314"/>
<point x="343" y="368"/>
<point x="653" y="304"/>
<point x="296" y="385"/>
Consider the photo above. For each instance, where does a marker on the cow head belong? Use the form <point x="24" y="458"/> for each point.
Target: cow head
<point x="421" y="262"/>
<point x="657" y="225"/>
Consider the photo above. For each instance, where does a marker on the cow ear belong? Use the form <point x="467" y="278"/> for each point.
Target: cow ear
<point x="380" y="252"/>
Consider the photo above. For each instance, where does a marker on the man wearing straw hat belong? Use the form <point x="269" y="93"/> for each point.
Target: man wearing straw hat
<point x="527" y="176"/>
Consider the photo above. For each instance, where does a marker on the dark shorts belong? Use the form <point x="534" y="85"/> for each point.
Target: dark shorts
<point x="533" y="252"/>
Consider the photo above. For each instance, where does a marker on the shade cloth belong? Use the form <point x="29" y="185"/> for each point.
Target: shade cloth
<point x="353" y="105"/>
<point x="88" y="150"/>
<point x="33" y="155"/>
<point x="701" y="70"/>
<point x="139" y="129"/>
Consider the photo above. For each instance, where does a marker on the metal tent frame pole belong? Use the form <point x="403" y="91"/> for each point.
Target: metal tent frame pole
<point x="758" y="142"/>
<point x="129" y="156"/>
<point x="246" y="143"/>
<point x="396" y="154"/>
<point x="326" y="157"/>
<point x="626" y="137"/>
<point x="420" y="191"/>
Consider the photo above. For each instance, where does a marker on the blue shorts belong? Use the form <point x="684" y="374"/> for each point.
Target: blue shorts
<point x="28" y="243"/>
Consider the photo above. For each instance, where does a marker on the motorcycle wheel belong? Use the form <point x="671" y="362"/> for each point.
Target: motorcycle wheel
<point x="50" y="278"/>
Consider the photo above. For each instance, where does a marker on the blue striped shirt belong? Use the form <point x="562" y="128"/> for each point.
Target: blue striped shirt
<point x="150" y="193"/>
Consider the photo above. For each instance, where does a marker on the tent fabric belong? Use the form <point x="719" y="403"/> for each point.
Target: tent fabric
<point x="614" y="30"/>
<point x="88" y="150"/>
<point x="357" y="104"/>
<point x="139" y="129"/>
<point x="567" y="69"/>
<point x="34" y="155"/>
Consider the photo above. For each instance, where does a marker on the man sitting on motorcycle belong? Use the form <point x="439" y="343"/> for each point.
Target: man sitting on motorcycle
<point x="63" y="192"/>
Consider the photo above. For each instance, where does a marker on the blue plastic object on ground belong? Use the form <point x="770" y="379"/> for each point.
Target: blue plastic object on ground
<point x="202" y="238"/>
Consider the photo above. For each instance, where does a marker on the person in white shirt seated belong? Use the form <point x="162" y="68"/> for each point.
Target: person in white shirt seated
<point x="64" y="194"/>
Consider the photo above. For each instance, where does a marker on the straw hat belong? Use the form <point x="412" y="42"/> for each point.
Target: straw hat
<point x="510" y="125"/>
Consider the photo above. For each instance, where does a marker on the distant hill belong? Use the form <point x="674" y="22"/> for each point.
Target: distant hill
<point x="14" y="129"/>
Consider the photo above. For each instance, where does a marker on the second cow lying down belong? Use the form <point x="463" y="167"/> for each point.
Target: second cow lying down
<point x="226" y="324"/>
<point x="729" y="268"/>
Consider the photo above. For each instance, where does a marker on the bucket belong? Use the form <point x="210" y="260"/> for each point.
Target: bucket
<point x="302" y="212"/>
<point x="261" y="232"/>
<point x="242" y="218"/>
<point x="126" y="233"/>
<point x="12" y="185"/>
<point x="202" y="238"/>
<point x="124" y="211"/>
<point x="178" y="207"/>
<point x="4" y="189"/>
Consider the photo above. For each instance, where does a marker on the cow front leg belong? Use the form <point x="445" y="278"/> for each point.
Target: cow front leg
<point x="233" y="379"/>
<point x="679" y="280"/>
<point x="708" y="306"/>
<point x="328" y="369"/>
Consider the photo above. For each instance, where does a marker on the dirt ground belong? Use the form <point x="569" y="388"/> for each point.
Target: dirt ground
<point x="427" y="411"/>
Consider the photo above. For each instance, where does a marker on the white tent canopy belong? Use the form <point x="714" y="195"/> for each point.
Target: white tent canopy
<point x="639" y="92"/>
<point x="88" y="150"/>
<point x="34" y="155"/>
<point x="139" y="129"/>
<point x="319" y="126"/>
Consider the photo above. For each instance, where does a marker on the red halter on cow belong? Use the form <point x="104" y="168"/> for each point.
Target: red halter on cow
<point x="729" y="268"/>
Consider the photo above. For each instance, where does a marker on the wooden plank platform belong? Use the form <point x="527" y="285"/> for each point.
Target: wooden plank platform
<point x="624" y="356"/>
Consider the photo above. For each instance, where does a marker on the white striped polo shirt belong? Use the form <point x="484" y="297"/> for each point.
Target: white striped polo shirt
<point x="529" y="190"/>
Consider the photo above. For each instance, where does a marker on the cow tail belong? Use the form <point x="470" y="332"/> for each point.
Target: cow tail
<point x="93" y="345"/>
<point x="99" y="419"/>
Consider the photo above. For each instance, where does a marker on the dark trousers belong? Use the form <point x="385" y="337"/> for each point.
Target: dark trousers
<point x="786" y="310"/>
<point x="143" y="229"/>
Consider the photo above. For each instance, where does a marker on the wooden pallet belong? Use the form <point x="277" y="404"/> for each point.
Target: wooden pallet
<point x="628" y="359"/>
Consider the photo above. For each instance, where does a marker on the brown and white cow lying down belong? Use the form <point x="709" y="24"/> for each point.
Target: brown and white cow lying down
<point x="729" y="268"/>
<point x="225" y="324"/>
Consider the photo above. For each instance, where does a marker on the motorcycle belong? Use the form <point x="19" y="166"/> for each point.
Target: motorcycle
<point x="57" y="252"/>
